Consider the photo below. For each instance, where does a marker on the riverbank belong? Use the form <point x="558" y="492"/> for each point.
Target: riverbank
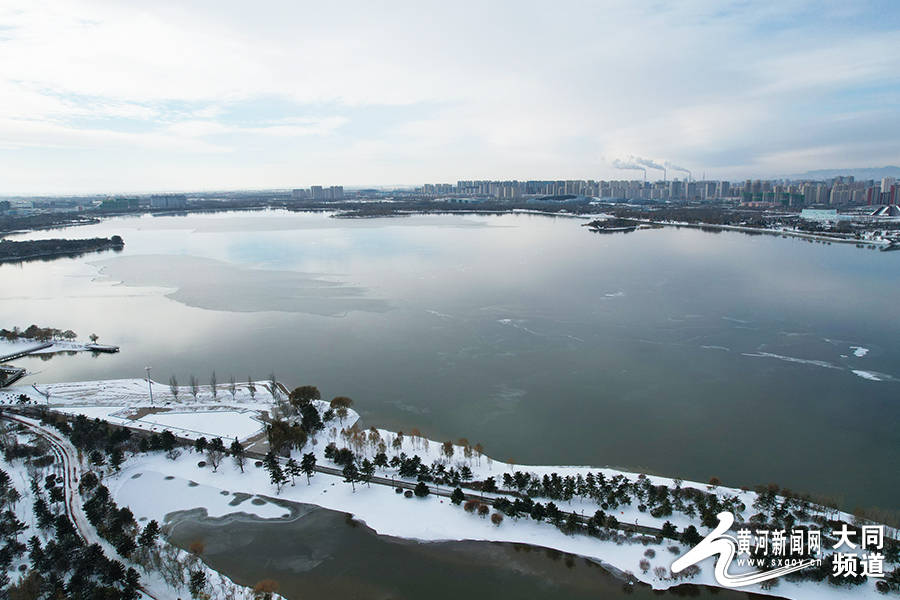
<point x="155" y="486"/>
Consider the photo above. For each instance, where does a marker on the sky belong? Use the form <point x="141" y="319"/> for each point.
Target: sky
<point x="109" y="97"/>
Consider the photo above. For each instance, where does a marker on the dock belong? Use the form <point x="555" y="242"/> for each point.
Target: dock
<point x="102" y="348"/>
<point x="26" y="352"/>
<point x="13" y="374"/>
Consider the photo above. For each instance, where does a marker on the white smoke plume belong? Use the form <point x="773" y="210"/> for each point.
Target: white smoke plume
<point x="674" y="167"/>
<point x="649" y="163"/>
<point x="630" y="165"/>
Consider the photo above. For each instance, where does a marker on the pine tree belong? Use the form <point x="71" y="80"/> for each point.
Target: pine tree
<point x="149" y="535"/>
<point x="351" y="474"/>
<point x="308" y="465"/>
<point x="457" y="496"/>
<point x="292" y="469"/>
<point x="367" y="471"/>
<point x="238" y="454"/>
<point x="198" y="583"/>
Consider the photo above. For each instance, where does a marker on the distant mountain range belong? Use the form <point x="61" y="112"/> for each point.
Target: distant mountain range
<point x="863" y="173"/>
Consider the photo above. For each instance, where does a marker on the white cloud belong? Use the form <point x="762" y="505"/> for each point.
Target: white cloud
<point x="505" y="89"/>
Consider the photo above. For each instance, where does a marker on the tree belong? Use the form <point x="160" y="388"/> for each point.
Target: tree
<point x="340" y="402"/>
<point x="308" y="465"/>
<point x="690" y="536"/>
<point x="351" y="474"/>
<point x="310" y="420"/>
<point x="367" y="471"/>
<point x="251" y="387"/>
<point x="489" y="485"/>
<point x="94" y="337"/>
<point x="167" y="440"/>
<point x="215" y="453"/>
<point x="149" y="535"/>
<point x="496" y="519"/>
<point x="238" y="454"/>
<point x="447" y="449"/>
<point x="292" y="469"/>
<point x="173" y="387"/>
<point x="200" y="444"/>
<point x="465" y="473"/>
<point x="273" y="382"/>
<point x="303" y="395"/>
<point x="342" y="413"/>
<point x="232" y="387"/>
<point x="212" y="384"/>
<point x="197" y="583"/>
<point x="96" y="458"/>
<point x="116" y="458"/>
<point x="195" y="387"/>
<point x="276" y="475"/>
<point x="421" y="490"/>
<point x="457" y="496"/>
<point x="265" y="589"/>
<point x="669" y="531"/>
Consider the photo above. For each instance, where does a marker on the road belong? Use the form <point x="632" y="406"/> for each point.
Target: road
<point x="437" y="490"/>
<point x="66" y="456"/>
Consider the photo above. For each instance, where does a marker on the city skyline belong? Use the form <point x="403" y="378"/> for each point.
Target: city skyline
<point x="105" y="98"/>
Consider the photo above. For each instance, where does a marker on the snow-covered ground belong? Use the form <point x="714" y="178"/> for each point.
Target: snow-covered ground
<point x="8" y="347"/>
<point x="127" y="402"/>
<point x="430" y="519"/>
<point x="145" y="485"/>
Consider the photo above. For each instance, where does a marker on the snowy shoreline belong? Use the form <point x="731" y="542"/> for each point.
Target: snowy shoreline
<point x="155" y="486"/>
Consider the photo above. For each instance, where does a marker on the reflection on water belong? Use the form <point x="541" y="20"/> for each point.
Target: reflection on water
<point x="673" y="351"/>
<point x="325" y="554"/>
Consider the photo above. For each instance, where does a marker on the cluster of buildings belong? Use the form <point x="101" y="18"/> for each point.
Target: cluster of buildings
<point x="838" y="191"/>
<point x="319" y="193"/>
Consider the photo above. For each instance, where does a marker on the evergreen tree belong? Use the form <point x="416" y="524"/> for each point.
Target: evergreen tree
<point x="351" y="474"/>
<point x="292" y="468"/>
<point x="367" y="471"/>
<point x="238" y="454"/>
<point x="197" y="583"/>
<point x="149" y="535"/>
<point x="421" y="490"/>
<point x="457" y="496"/>
<point x="308" y="465"/>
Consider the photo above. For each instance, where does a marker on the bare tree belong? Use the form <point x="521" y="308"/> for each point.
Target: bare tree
<point x="251" y="387"/>
<point x="212" y="384"/>
<point x="195" y="387"/>
<point x="274" y="383"/>
<point x="173" y="386"/>
<point x="232" y="387"/>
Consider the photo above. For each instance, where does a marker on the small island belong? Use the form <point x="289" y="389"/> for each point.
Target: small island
<point x="11" y="251"/>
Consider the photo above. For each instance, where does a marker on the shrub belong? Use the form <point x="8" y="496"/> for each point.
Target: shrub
<point x="471" y="505"/>
<point x="398" y="490"/>
<point x="483" y="510"/>
<point x="645" y="565"/>
<point x="496" y="519"/>
<point x="408" y="494"/>
<point x="201" y="464"/>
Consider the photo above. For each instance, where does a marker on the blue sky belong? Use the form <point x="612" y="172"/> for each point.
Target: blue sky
<point x="107" y="97"/>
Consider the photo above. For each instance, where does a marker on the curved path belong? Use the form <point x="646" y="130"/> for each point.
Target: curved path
<point x="69" y="472"/>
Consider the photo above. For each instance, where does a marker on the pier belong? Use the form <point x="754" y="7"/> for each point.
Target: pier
<point x="26" y="352"/>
